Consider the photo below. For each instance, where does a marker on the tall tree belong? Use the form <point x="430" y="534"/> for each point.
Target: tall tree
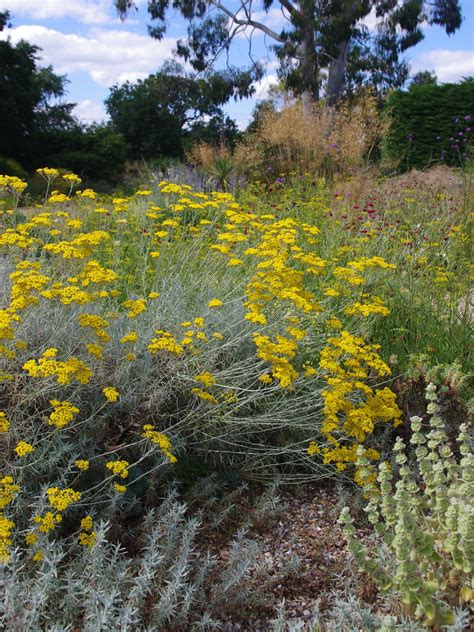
<point x="154" y="113"/>
<point x="4" y="19"/>
<point x="29" y="100"/>
<point x="320" y="38"/>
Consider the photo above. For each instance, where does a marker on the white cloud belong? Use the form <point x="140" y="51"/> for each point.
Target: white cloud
<point x="274" y="18"/>
<point x="449" y="65"/>
<point x="86" y="11"/>
<point x="263" y="86"/>
<point x="108" y="57"/>
<point x="370" y="20"/>
<point x="90" y="112"/>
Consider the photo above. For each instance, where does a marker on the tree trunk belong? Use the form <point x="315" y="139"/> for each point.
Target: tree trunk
<point x="310" y="72"/>
<point x="337" y="71"/>
<point x="309" y="65"/>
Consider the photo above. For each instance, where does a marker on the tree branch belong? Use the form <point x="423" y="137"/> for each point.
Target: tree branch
<point x="248" y="22"/>
<point x="292" y="10"/>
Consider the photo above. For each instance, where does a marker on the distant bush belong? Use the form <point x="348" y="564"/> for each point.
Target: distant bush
<point x="431" y="124"/>
<point x="11" y="167"/>
<point x="96" y="152"/>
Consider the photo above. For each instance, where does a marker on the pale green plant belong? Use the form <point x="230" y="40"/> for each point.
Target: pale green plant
<point x="425" y="520"/>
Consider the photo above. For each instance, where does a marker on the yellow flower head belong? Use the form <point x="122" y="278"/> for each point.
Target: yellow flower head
<point x="23" y="448"/>
<point x="86" y="523"/>
<point x="60" y="499"/>
<point x="215" y="302"/>
<point x="82" y="464"/>
<point x="63" y="414"/>
<point x="206" y="378"/>
<point x="132" y="336"/>
<point x="31" y="538"/>
<point x="111" y="393"/>
<point x="119" y="468"/>
<point x="87" y="539"/>
<point x="160" y="440"/>
<point x="4" y="423"/>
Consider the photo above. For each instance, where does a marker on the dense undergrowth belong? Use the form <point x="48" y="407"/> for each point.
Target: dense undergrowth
<point x="174" y="333"/>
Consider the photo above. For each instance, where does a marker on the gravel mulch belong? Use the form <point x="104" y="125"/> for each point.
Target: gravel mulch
<point x="302" y="560"/>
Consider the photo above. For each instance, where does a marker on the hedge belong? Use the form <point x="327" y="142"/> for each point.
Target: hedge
<point x="431" y="124"/>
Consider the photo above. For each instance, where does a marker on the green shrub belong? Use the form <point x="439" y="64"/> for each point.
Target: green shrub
<point x="11" y="167"/>
<point x="431" y="124"/>
<point x="426" y="522"/>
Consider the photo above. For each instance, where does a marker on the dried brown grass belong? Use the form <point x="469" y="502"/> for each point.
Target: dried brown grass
<point x="325" y="141"/>
<point x="204" y="154"/>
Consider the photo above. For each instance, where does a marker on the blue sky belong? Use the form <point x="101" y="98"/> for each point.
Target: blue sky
<point x="85" y="40"/>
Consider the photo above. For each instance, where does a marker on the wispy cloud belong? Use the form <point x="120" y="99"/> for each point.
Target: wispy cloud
<point x="263" y="86"/>
<point x="90" y="112"/>
<point x="449" y="65"/>
<point x="86" y="11"/>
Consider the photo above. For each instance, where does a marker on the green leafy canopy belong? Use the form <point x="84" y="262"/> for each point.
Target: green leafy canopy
<point x="321" y="41"/>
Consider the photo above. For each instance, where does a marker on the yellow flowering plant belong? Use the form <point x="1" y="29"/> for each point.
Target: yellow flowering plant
<point x="249" y="340"/>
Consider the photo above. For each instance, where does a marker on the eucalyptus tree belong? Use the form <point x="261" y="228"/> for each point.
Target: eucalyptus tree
<point x="320" y="43"/>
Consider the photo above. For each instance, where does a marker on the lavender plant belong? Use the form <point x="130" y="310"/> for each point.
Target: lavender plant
<point x="171" y="582"/>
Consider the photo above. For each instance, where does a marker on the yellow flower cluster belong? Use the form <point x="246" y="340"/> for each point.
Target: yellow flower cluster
<point x="93" y="272"/>
<point x="206" y="378"/>
<point x="80" y="247"/>
<point x="48" y="173"/>
<point x="135" y="307"/>
<point x="215" y="302"/>
<point x="374" y="306"/>
<point x="132" y="336"/>
<point x="281" y="258"/>
<point x="72" y="178"/>
<point x="111" y="393"/>
<point x="8" y="491"/>
<point x="166" y="342"/>
<point x="204" y="395"/>
<point x="63" y="371"/>
<point x="13" y="183"/>
<point x="6" y="325"/>
<point x="60" y="499"/>
<point x="278" y="354"/>
<point x="4" y="423"/>
<point x="63" y="413"/>
<point x="27" y="282"/>
<point x="82" y="464"/>
<point x="160" y="440"/>
<point x="351" y="407"/>
<point x="6" y="527"/>
<point x="119" y="468"/>
<point x="58" y="198"/>
<point x="23" y="448"/>
<point x="48" y="522"/>
<point x="87" y="537"/>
